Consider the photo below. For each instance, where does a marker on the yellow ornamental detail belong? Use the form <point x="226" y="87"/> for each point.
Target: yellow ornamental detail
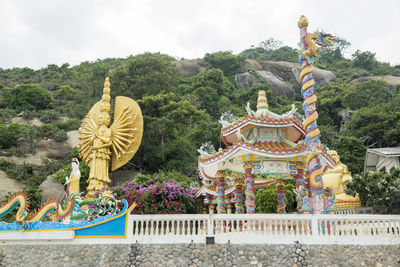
<point x="303" y="22"/>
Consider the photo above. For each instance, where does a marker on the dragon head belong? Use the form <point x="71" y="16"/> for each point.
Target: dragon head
<point x="325" y="39"/>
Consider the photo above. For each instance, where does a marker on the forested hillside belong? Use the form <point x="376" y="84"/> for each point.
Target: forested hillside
<point x="181" y="107"/>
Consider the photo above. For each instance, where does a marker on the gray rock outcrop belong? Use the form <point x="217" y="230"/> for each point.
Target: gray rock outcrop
<point x="392" y="81"/>
<point x="120" y="177"/>
<point x="189" y="67"/>
<point x="246" y="81"/>
<point x="288" y="71"/>
<point x="51" y="189"/>
<point x="282" y="75"/>
<point x="8" y="185"/>
<point x="72" y="140"/>
<point x="53" y="149"/>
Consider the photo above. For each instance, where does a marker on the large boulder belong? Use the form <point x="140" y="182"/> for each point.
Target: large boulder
<point x="51" y="189"/>
<point x="35" y="159"/>
<point x="392" y="81"/>
<point x="8" y="185"/>
<point x="120" y="177"/>
<point x="34" y="121"/>
<point x="288" y="71"/>
<point x="251" y="64"/>
<point x="72" y="140"/>
<point x="189" y="67"/>
<point x="246" y="81"/>
<point x="53" y="149"/>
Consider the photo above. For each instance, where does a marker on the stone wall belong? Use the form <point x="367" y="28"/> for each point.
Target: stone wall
<point x="199" y="255"/>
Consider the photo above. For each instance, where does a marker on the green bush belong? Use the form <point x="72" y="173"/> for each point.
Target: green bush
<point x="69" y="125"/>
<point x="377" y="189"/>
<point x="161" y="176"/>
<point x="66" y="93"/>
<point x="226" y="61"/>
<point x="144" y="75"/>
<point x="267" y="199"/>
<point x="10" y="134"/>
<point x="27" y="97"/>
<point x="48" y="116"/>
<point x="60" y="135"/>
<point x="6" y="115"/>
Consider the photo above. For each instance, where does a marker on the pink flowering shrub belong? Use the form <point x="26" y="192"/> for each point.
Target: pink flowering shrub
<point x="159" y="198"/>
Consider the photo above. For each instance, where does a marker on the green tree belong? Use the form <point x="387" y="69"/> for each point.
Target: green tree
<point x="208" y="99"/>
<point x="169" y="125"/>
<point x="226" y="61"/>
<point x="376" y="189"/>
<point x="267" y="199"/>
<point x="270" y="44"/>
<point x="370" y="125"/>
<point x="365" y="60"/>
<point x="285" y="53"/>
<point x="352" y="152"/>
<point x="66" y="93"/>
<point x="364" y="94"/>
<point x="334" y="56"/>
<point x="27" y="97"/>
<point x="161" y="176"/>
<point x="215" y="79"/>
<point x="10" y="134"/>
<point x="144" y="75"/>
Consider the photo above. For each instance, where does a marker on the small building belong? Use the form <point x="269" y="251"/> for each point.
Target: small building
<point x="382" y="159"/>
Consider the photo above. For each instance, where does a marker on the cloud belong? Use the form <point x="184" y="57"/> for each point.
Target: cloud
<point x="37" y="33"/>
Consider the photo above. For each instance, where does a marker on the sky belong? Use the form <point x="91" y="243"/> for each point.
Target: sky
<point x="41" y="32"/>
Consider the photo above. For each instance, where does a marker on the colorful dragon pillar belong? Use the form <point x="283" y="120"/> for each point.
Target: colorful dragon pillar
<point x="250" y="197"/>
<point x="280" y="191"/>
<point x="239" y="195"/>
<point x="309" y="49"/>
<point x="221" y="206"/>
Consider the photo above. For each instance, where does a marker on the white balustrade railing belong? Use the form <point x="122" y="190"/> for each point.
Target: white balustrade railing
<point x="345" y="211"/>
<point x="265" y="228"/>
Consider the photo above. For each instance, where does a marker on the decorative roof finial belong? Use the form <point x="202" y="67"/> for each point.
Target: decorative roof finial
<point x="262" y="100"/>
<point x="303" y="22"/>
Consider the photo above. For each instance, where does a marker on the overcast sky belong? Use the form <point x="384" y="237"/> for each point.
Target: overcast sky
<point x="37" y="33"/>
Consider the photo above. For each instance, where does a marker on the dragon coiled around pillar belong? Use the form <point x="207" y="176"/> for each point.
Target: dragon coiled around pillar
<point x="250" y="196"/>
<point x="280" y="190"/>
<point x="309" y="42"/>
<point x="54" y="205"/>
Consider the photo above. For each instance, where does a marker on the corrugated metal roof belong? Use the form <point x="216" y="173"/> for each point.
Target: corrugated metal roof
<point x="385" y="151"/>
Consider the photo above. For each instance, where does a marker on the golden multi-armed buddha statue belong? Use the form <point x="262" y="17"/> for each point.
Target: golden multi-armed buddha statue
<point x="334" y="180"/>
<point x="100" y="143"/>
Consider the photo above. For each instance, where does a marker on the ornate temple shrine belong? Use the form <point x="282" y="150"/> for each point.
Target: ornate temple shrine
<point x="262" y="148"/>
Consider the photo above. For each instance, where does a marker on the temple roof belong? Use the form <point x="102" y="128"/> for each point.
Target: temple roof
<point x="262" y="121"/>
<point x="208" y="166"/>
<point x="262" y="117"/>
<point x="272" y="148"/>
